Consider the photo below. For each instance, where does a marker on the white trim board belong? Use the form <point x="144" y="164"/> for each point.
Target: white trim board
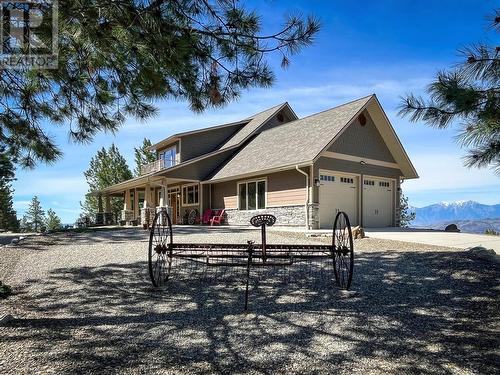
<point x="357" y="159"/>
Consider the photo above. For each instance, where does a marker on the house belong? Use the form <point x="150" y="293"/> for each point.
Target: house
<point x="302" y="170"/>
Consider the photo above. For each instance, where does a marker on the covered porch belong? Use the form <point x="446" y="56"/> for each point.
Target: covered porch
<point x="144" y="196"/>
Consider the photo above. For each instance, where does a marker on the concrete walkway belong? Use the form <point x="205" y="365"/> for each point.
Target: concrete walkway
<point x="437" y="238"/>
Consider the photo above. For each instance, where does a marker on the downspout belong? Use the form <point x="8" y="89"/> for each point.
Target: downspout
<point x="307" y="194"/>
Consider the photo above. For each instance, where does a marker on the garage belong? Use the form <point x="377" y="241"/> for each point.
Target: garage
<point x="337" y="192"/>
<point x="377" y="199"/>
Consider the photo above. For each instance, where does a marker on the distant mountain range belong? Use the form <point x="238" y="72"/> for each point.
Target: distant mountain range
<point x="469" y="216"/>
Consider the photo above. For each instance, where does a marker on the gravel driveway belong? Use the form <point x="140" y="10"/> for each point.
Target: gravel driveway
<point x="84" y="304"/>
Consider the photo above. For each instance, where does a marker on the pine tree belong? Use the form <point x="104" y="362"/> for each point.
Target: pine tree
<point x="107" y="167"/>
<point x="118" y="57"/>
<point x="470" y="93"/>
<point x="143" y="156"/>
<point x="53" y="222"/>
<point x="35" y="216"/>
<point x="24" y="225"/>
<point x="8" y="217"/>
<point x="406" y="216"/>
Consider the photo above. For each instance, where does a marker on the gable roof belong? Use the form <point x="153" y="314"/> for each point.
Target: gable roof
<point x="300" y="142"/>
<point x="176" y="136"/>
<point x="250" y="126"/>
<point x="293" y="143"/>
<point x="254" y="123"/>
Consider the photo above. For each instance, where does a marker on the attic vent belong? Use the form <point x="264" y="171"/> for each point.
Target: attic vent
<point x="362" y="119"/>
<point x="280" y="117"/>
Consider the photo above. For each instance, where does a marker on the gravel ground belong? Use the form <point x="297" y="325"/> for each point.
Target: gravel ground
<point x="84" y="304"/>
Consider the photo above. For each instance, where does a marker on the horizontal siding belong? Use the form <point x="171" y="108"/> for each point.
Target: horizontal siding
<point x="286" y="197"/>
<point x="231" y="202"/>
<point x="224" y="195"/>
<point x="285" y="188"/>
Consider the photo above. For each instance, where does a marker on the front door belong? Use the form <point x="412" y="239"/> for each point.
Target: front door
<point x="174" y="202"/>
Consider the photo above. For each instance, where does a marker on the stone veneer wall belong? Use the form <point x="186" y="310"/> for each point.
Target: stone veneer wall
<point x="127" y="215"/>
<point x="285" y="215"/>
<point x="313" y="215"/>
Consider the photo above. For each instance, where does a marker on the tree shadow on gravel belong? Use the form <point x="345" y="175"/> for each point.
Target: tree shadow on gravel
<point x="434" y="312"/>
<point x="125" y="235"/>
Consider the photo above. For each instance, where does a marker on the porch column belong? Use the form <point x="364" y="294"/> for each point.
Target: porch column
<point x="126" y="202"/>
<point x="136" y="204"/>
<point x="99" y="203"/>
<point x="163" y="199"/>
<point x="146" y="197"/>
<point x="107" y="204"/>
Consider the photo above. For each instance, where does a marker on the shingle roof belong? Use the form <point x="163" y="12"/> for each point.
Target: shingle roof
<point x="256" y="121"/>
<point x="295" y="142"/>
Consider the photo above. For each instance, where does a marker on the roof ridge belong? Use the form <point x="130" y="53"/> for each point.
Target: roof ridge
<point x="336" y="107"/>
<point x="318" y="113"/>
<point x="265" y="110"/>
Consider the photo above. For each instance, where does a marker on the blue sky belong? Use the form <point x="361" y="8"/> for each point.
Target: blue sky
<point x="385" y="47"/>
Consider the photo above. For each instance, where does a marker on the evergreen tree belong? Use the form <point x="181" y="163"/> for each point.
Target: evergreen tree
<point x="116" y="57"/>
<point x="471" y="93"/>
<point x="107" y="167"/>
<point x="24" y="225"/>
<point x="34" y="218"/>
<point x="406" y="216"/>
<point x="53" y="222"/>
<point x="8" y="217"/>
<point x="143" y="156"/>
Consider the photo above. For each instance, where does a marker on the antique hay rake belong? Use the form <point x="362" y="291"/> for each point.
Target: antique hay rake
<point x="196" y="259"/>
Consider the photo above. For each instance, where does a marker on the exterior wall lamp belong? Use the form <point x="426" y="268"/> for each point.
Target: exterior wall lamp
<point x="317" y="182"/>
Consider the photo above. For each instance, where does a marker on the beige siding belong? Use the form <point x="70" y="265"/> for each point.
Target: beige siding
<point x="224" y="195"/>
<point x="283" y="189"/>
<point x="286" y="188"/>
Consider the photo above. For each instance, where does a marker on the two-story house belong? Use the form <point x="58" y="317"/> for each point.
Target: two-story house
<point x="302" y="171"/>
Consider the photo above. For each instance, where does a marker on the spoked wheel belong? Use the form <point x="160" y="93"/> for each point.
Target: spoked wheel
<point x="343" y="251"/>
<point x="193" y="214"/>
<point x="160" y="250"/>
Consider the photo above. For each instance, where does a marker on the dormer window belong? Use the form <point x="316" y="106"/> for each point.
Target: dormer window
<point x="168" y="157"/>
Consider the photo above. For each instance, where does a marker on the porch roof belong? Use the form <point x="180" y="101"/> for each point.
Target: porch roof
<point x="134" y="183"/>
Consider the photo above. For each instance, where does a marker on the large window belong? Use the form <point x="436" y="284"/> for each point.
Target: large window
<point x="190" y="195"/>
<point x="252" y="195"/>
<point x="168" y="157"/>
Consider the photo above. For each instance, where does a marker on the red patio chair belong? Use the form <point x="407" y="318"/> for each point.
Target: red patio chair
<point x="217" y="218"/>
<point x="207" y="215"/>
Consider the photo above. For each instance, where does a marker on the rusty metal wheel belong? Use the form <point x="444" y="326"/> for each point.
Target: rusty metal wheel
<point x="343" y="251"/>
<point x="160" y="249"/>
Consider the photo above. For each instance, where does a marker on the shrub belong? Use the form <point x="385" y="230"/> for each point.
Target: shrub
<point x="492" y="232"/>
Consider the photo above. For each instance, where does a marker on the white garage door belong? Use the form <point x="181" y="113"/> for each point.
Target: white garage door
<point x="377" y="202"/>
<point x="337" y="192"/>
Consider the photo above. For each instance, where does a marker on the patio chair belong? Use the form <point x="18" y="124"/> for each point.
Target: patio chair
<point x="217" y="218"/>
<point x="207" y="215"/>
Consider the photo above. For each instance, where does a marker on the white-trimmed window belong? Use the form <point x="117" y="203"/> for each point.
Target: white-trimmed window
<point x="168" y="157"/>
<point x="252" y="195"/>
<point x="190" y="195"/>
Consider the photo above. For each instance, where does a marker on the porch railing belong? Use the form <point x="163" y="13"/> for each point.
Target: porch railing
<point x="157" y="165"/>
